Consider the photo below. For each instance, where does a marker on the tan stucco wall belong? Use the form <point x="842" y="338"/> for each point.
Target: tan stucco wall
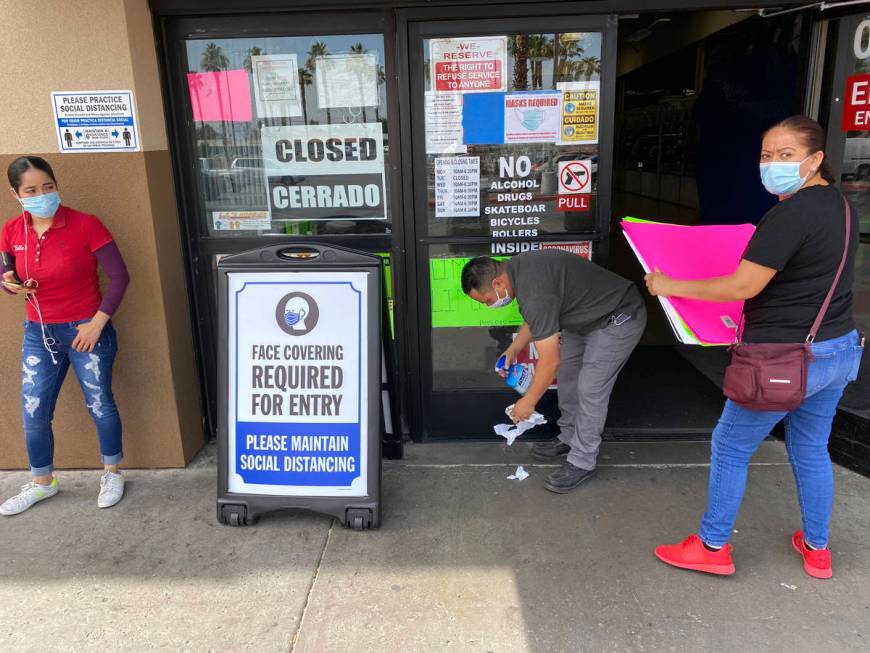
<point x="101" y="45"/>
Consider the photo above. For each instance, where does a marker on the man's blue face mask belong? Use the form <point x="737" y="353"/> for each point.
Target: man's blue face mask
<point x="501" y="301"/>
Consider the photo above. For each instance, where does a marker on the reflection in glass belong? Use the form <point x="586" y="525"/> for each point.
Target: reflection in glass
<point x="225" y="128"/>
<point x="855" y="184"/>
<point x="535" y="63"/>
<point x="467" y="337"/>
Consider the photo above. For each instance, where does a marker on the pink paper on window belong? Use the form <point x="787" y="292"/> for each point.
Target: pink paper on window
<point x="695" y="253"/>
<point x="220" y="96"/>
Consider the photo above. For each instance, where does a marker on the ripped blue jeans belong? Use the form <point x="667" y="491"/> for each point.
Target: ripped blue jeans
<point x="41" y="382"/>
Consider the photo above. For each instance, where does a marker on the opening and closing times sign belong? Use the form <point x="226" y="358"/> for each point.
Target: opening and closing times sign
<point x="297" y="422"/>
<point x="468" y="65"/>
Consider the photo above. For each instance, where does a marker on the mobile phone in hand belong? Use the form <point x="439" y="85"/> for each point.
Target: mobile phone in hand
<point x="9" y="266"/>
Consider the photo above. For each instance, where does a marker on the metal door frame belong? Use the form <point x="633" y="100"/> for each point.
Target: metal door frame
<point x="171" y="32"/>
<point x="415" y="25"/>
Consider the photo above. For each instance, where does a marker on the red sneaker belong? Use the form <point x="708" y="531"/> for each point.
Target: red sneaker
<point x="816" y="563"/>
<point x="691" y="554"/>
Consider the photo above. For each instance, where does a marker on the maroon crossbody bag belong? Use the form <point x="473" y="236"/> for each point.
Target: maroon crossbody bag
<point x="773" y="376"/>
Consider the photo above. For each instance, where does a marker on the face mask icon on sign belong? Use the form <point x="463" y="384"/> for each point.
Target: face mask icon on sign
<point x="297" y="314"/>
<point x="531" y="119"/>
<point x="297" y="310"/>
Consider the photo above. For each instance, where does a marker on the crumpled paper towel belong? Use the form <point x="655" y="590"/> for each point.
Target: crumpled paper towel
<point x="519" y="475"/>
<point x="511" y="432"/>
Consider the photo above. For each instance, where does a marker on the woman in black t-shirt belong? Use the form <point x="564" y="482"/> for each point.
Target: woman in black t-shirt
<point x="784" y="276"/>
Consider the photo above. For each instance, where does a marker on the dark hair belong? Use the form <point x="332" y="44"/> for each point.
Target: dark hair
<point x="478" y="273"/>
<point x="812" y="136"/>
<point x="22" y="164"/>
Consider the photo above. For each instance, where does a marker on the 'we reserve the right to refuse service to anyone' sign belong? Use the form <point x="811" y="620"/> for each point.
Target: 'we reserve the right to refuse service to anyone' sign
<point x="297" y="415"/>
<point x="469" y="65"/>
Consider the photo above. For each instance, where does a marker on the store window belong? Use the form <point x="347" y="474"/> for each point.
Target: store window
<point x="289" y="135"/>
<point x="512" y="126"/>
<point x="856" y="157"/>
<point x="529" y="107"/>
<point x="855" y="184"/>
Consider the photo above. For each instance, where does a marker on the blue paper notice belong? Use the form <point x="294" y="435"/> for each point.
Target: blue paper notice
<point x="532" y="117"/>
<point x="483" y="118"/>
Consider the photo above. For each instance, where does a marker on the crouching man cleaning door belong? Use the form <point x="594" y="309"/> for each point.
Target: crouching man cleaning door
<point x="600" y="316"/>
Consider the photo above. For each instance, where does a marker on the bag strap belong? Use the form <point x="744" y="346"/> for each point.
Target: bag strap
<point x="821" y="316"/>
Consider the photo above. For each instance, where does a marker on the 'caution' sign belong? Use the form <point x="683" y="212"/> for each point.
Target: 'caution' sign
<point x="325" y="172"/>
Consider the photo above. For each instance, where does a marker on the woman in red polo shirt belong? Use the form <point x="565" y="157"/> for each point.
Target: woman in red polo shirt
<point x="50" y="255"/>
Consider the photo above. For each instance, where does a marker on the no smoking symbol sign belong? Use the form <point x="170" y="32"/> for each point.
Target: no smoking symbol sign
<point x="574" y="177"/>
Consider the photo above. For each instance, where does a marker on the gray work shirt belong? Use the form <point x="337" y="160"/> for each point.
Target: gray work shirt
<point x="558" y="291"/>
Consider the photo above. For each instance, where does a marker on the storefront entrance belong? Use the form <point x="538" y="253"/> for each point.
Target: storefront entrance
<point x="525" y="166"/>
<point x="434" y="135"/>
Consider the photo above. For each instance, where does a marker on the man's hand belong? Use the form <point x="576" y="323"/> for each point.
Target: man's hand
<point x="510" y="357"/>
<point x="523" y="410"/>
<point x="658" y="283"/>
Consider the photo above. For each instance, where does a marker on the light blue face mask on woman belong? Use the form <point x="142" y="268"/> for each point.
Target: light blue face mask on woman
<point x="782" y="177"/>
<point x="42" y="206"/>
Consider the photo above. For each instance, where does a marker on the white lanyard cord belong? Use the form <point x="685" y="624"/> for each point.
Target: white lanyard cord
<point x="47" y="342"/>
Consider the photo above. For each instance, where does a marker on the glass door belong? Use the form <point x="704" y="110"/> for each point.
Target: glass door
<point x="849" y="148"/>
<point x="284" y="129"/>
<point x="512" y="153"/>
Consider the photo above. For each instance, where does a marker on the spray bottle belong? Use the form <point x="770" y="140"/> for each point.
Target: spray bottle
<point x="519" y="375"/>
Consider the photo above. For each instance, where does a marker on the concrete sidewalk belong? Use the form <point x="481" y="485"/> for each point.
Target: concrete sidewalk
<point x="466" y="560"/>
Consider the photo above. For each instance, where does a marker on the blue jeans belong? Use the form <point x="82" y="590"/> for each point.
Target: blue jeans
<point x="807" y="429"/>
<point x="41" y="382"/>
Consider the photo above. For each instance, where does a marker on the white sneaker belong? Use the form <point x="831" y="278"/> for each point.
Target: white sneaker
<point x="111" y="490"/>
<point x="30" y="494"/>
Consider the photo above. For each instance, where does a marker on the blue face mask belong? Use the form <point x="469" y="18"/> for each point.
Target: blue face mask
<point x="782" y="177"/>
<point x="42" y="206"/>
<point x="501" y="301"/>
<point x="293" y="317"/>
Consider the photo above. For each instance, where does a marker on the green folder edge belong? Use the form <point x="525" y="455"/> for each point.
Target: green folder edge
<point x="683" y="324"/>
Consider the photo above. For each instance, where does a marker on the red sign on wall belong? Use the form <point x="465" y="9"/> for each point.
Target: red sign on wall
<point x="856" y="104"/>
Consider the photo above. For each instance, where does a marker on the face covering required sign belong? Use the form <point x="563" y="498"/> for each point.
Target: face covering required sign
<point x="297" y="409"/>
<point x="325" y="172"/>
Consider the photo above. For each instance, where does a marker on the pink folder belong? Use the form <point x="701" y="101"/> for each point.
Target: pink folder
<point x="694" y="253"/>
<point x="223" y="96"/>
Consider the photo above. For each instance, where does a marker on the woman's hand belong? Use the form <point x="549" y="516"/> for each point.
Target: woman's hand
<point x="89" y="333"/>
<point x="659" y="284"/>
<point x="11" y="283"/>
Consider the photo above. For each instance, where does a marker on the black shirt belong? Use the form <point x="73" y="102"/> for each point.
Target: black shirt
<point x="558" y="291"/>
<point x="802" y="238"/>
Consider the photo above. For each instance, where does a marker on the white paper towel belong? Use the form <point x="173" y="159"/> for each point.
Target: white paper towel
<point x="511" y="432"/>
